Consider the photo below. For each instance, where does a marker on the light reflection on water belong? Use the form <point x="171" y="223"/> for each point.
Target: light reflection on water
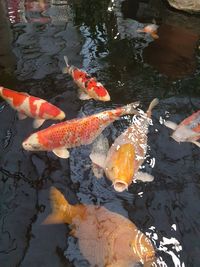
<point x="166" y="210"/>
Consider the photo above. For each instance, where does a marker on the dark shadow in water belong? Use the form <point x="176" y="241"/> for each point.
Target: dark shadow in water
<point x="173" y="54"/>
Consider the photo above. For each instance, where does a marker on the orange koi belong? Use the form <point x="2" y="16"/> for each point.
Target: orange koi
<point x="31" y="106"/>
<point x="105" y="238"/>
<point x="76" y="132"/>
<point x="122" y="161"/>
<point x="89" y="86"/>
<point x="150" y="29"/>
<point x="188" y="130"/>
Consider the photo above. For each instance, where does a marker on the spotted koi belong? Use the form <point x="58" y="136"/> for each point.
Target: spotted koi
<point x="72" y="133"/>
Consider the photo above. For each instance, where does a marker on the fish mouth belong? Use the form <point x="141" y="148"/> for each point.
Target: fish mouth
<point x="120" y="185"/>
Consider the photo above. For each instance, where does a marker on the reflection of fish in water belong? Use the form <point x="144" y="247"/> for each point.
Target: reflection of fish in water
<point x="105" y="238"/>
<point x="31" y="106"/>
<point x="126" y="154"/>
<point x="188" y="130"/>
<point x="89" y="87"/>
<point x="150" y="29"/>
<point x="73" y="133"/>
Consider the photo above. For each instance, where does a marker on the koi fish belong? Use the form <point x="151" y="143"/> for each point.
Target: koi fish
<point x="31" y="106"/>
<point x="150" y="29"/>
<point x="122" y="161"/>
<point x="105" y="238"/>
<point x="89" y="86"/>
<point x="188" y="130"/>
<point x="76" y="132"/>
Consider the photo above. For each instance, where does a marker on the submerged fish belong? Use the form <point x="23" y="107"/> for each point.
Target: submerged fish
<point x="76" y="132"/>
<point x="188" y="130"/>
<point x="126" y="155"/>
<point x="89" y="86"/>
<point x="150" y="29"/>
<point x="105" y="238"/>
<point x="31" y="106"/>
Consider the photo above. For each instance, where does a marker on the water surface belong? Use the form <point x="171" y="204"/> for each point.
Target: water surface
<point x="96" y="37"/>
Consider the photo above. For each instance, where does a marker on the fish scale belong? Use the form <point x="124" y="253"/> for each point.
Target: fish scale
<point x="76" y="132"/>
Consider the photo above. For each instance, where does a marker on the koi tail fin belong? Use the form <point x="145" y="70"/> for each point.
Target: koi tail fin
<point x="66" y="69"/>
<point x="62" y="211"/>
<point x="66" y="61"/>
<point x="152" y="105"/>
<point x="131" y="108"/>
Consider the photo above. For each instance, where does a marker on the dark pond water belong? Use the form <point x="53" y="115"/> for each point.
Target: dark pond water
<point x="98" y="37"/>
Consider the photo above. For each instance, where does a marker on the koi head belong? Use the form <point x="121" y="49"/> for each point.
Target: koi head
<point x="32" y="143"/>
<point x="184" y="134"/>
<point x="121" y="167"/>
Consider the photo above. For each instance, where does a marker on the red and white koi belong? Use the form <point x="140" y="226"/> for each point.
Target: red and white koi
<point x="188" y="130"/>
<point x="89" y="86"/>
<point x="122" y="161"/>
<point x="31" y="106"/>
<point x="76" y="132"/>
<point x="150" y="29"/>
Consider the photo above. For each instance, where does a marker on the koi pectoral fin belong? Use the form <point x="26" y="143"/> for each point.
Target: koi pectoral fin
<point x="144" y="177"/>
<point x="21" y="116"/>
<point x="98" y="159"/>
<point x="196" y="143"/>
<point x="171" y="125"/>
<point x="97" y="171"/>
<point x="65" y="70"/>
<point x="99" y="151"/>
<point x="83" y="96"/>
<point x="38" y="122"/>
<point x="61" y="153"/>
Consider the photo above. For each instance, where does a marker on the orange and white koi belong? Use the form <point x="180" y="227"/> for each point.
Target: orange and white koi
<point x="150" y="29"/>
<point x="188" y="130"/>
<point x="76" y="132"/>
<point x="31" y="106"/>
<point x="122" y="161"/>
<point x="89" y="86"/>
<point x="105" y="238"/>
